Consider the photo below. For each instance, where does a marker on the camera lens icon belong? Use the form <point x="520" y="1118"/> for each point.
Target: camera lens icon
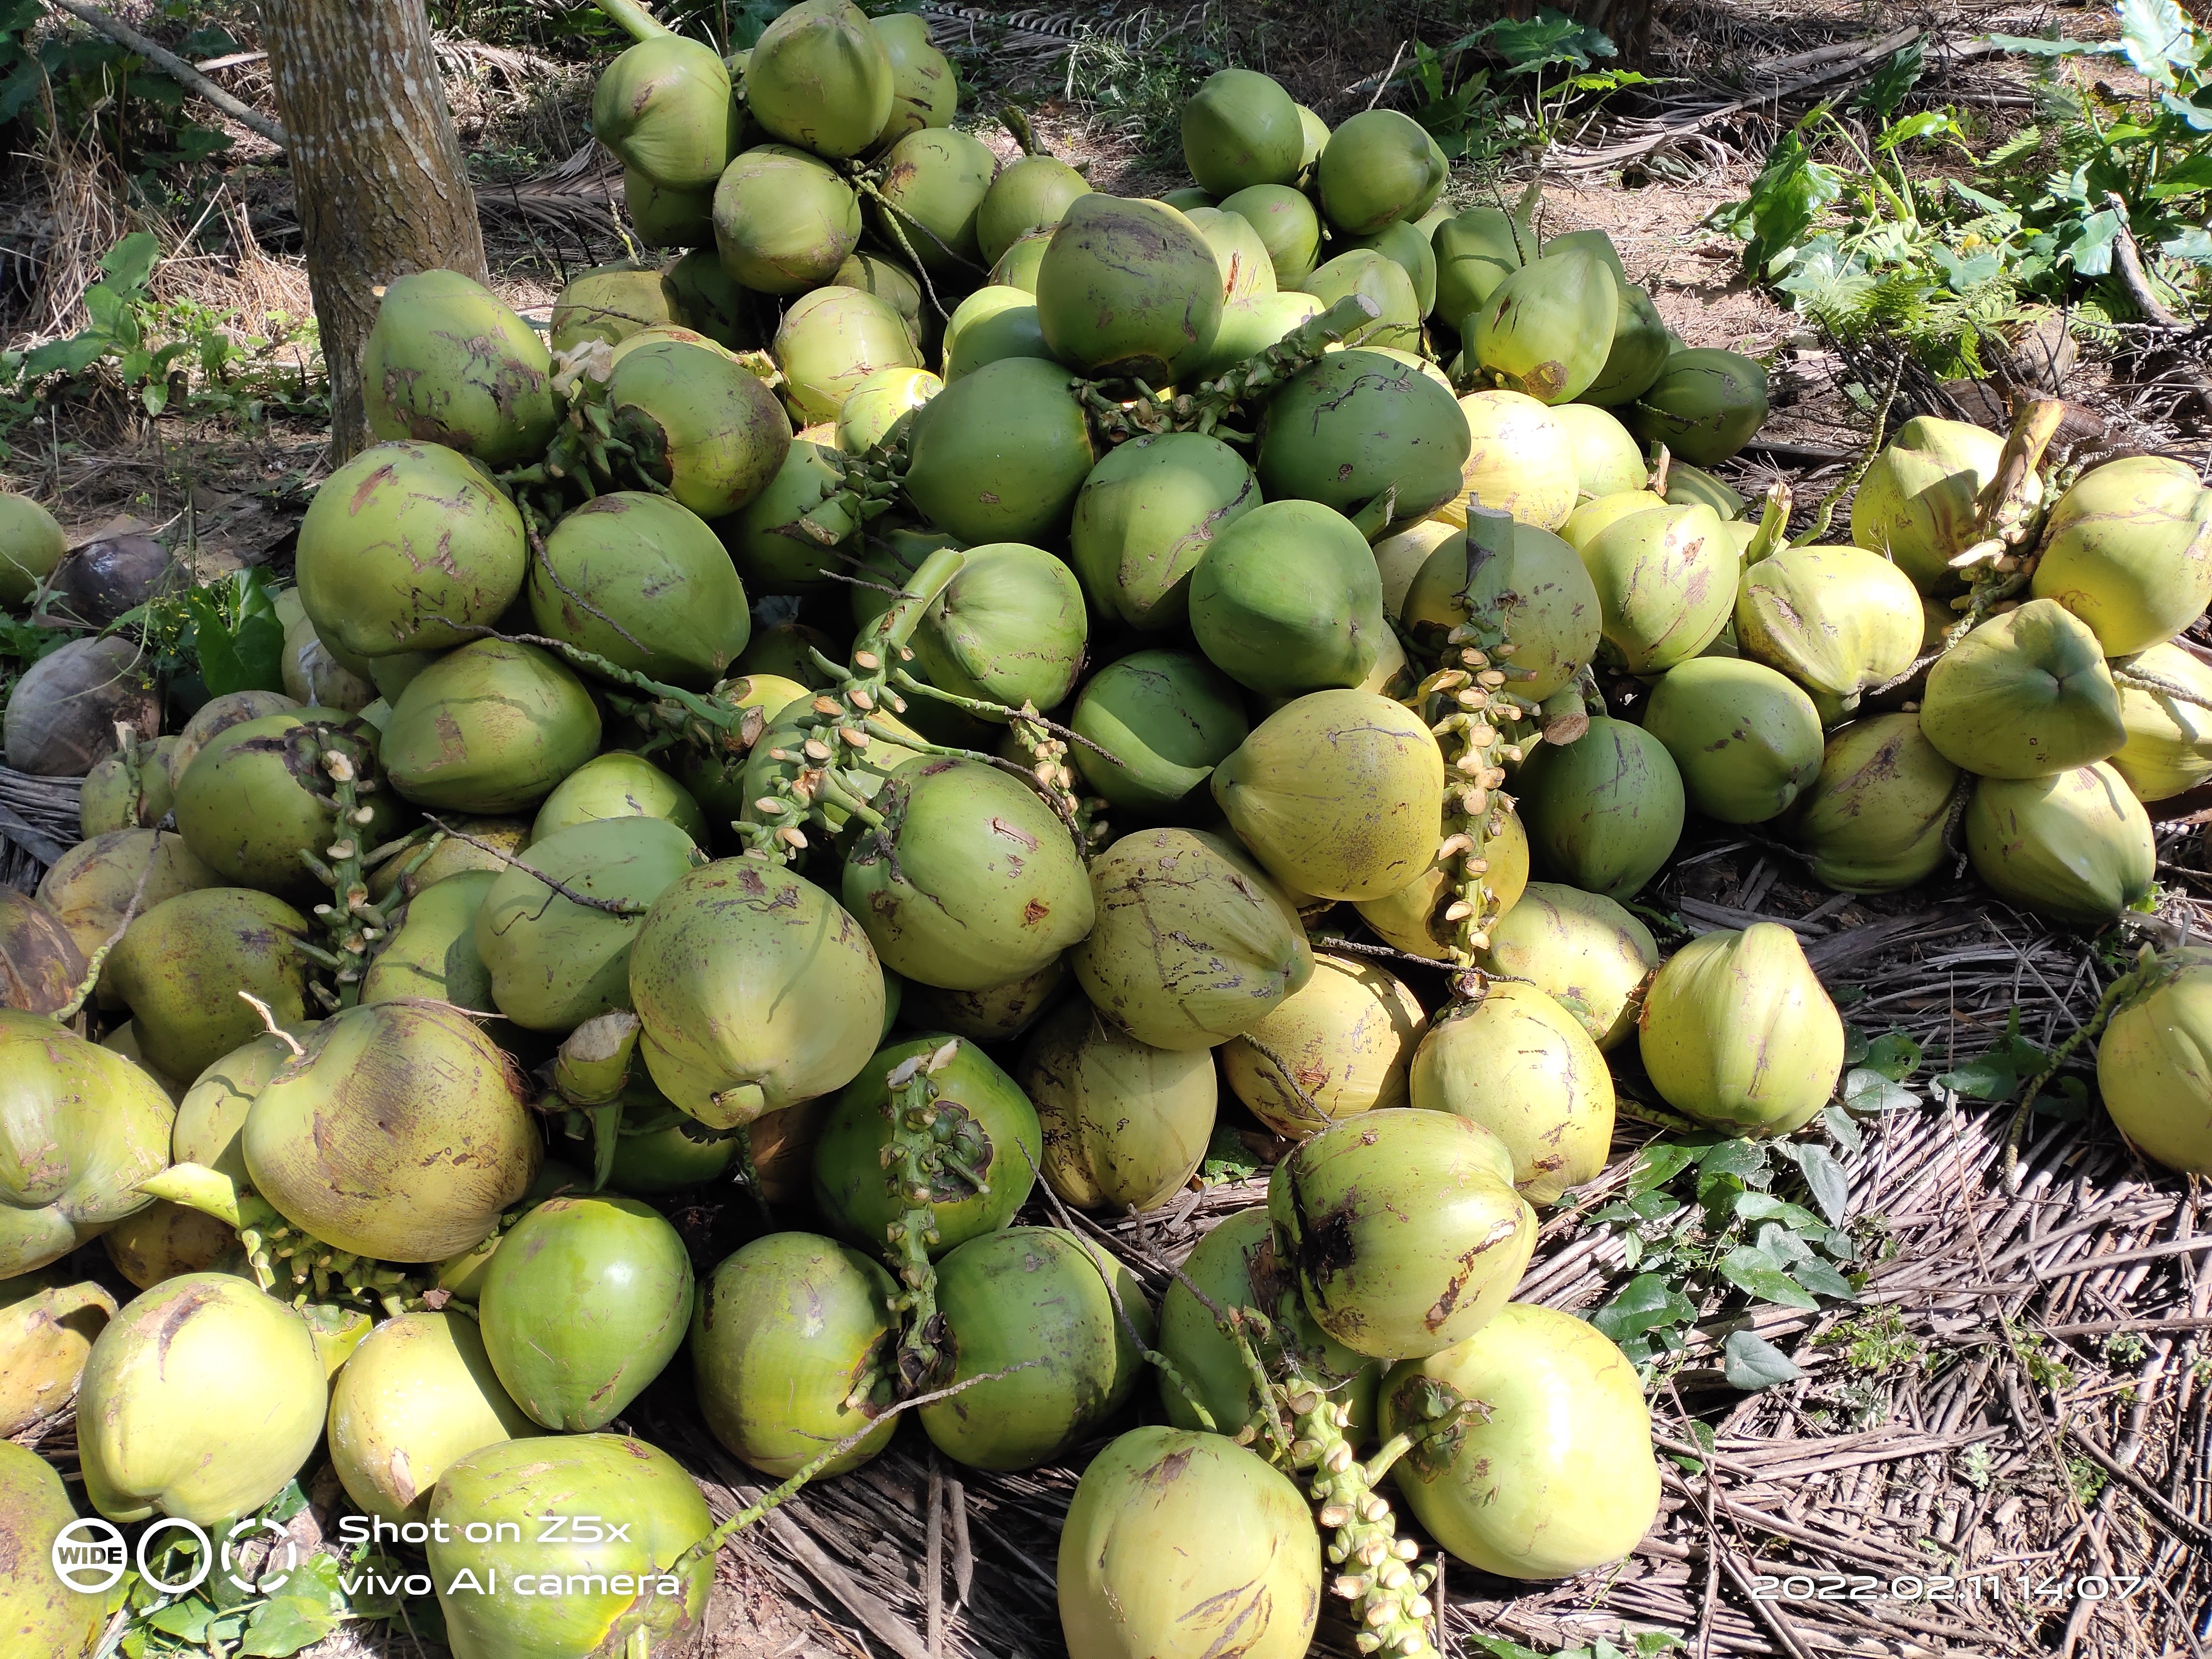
<point x="90" y="1557"/>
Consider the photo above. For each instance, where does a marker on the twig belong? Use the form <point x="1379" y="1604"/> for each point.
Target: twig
<point x="612" y="906"/>
<point x="177" y="70"/>
<point x="269" y="1022"/>
<point x="70" y="1010"/>
<point x="2128" y="260"/>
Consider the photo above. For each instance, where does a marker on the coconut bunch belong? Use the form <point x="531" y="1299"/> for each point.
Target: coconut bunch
<point x="906" y="709"/>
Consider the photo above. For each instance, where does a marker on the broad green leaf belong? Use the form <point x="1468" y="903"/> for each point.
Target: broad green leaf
<point x="1822" y="1280"/>
<point x="2091" y="249"/>
<point x="2038" y="45"/>
<point x="1868" y="1091"/>
<point x="2193" y="245"/>
<point x="1750" y="1268"/>
<point x="1645" y="1301"/>
<point x="1886" y="87"/>
<point x="1831" y="1187"/>
<point x="1752" y="1363"/>
<point x="1662" y="1160"/>
<point x="1916" y="129"/>
<point x="2193" y="173"/>
<point x="187" y="1618"/>
<point x="1737" y="1156"/>
<point x="131" y="262"/>
<point x="1839" y="1124"/>
<point x="1765" y="1206"/>
<point x="1894" y="1055"/>
<point x="286" y="1624"/>
<point x="2156" y="36"/>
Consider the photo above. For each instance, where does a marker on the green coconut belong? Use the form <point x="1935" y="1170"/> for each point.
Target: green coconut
<point x="1337" y="1046"/>
<point x="408" y="547"/>
<point x="664" y="107"/>
<point x="1288" y="600"/>
<point x="1555" y="1475"/>
<point x="430" y="949"/>
<point x="1547" y="330"/>
<point x="1745" y="738"/>
<point x="1357" y="429"/>
<point x="698" y="423"/>
<point x="641" y="579"/>
<point x="788" y="536"/>
<point x="1034" y="1303"/>
<point x="832" y="339"/>
<point x="1476" y="250"/>
<point x="933" y="185"/>
<point x="784" y="221"/>
<point x="1193" y="943"/>
<point x="1872" y="820"/>
<point x="880" y="406"/>
<point x="1666" y="582"/>
<point x="611" y="303"/>
<point x="1241" y="128"/>
<point x="1337" y="793"/>
<point x="1030" y="194"/>
<point x="1246" y="269"/>
<point x="2169" y="746"/>
<point x="1520" y="460"/>
<point x="1537" y="587"/>
<point x="971" y="881"/>
<point x="1129" y="289"/>
<point x="2129" y="550"/>
<point x="1407" y="246"/>
<point x="984" y="1109"/>
<point x="668" y="216"/>
<point x="261" y="793"/>
<point x="787" y="1331"/>
<point x="1639" y="354"/>
<point x="490" y="728"/>
<point x="182" y="963"/>
<point x="755" y="990"/>
<point x="1146" y="515"/>
<point x="1287" y="227"/>
<point x="991" y="323"/>
<point x="1124" y="1125"/>
<point x="2074" y="847"/>
<point x="446" y="363"/>
<point x="1737" y="1033"/>
<point x="819" y="76"/>
<point x="554" y="963"/>
<point x="31" y="545"/>
<point x="1167" y="718"/>
<point x="1607" y="459"/>
<point x="1604" y="811"/>
<point x="999" y="454"/>
<point x="925" y="91"/>
<point x="617" y="785"/>
<point x="1919" y="500"/>
<point x="1525" y="1068"/>
<point x="1838" y="620"/>
<point x="1378" y="166"/>
<point x="1706" y="405"/>
<point x="2026" y="695"/>
<point x="1584" y="951"/>
<point x="1009" y="627"/>
<point x="1403" y="1227"/>
<point x="1382" y="282"/>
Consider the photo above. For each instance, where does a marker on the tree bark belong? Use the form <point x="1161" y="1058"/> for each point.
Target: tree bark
<point x="376" y="170"/>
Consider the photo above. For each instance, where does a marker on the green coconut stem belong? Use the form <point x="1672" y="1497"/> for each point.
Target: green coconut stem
<point x="1209" y="409"/>
<point x="1824" y="513"/>
<point x="777" y="1497"/>
<point x="639" y="23"/>
<point x="352" y="924"/>
<point x="2003" y="514"/>
<point x="590" y="1070"/>
<point x="1016" y="121"/>
<point x="287" y="1262"/>
<point x="2142" y="679"/>
<point x="1773" y="524"/>
<point x="1381" y="1574"/>
<point x="1477" y="713"/>
<point x="2148" y="970"/>
<point x="927" y="1141"/>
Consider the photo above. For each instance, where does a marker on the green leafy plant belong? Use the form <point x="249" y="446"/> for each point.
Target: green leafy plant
<point x="168" y="354"/>
<point x="1716" y="1219"/>
<point x="1644" y="1645"/>
<point x="2097" y="205"/>
<point x="226" y="633"/>
<point x="1473" y="118"/>
<point x="84" y="84"/>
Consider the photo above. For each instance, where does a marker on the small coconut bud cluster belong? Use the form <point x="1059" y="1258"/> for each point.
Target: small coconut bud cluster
<point x="932" y="1139"/>
<point x="1380" y="1572"/>
<point x="352" y="924"/>
<point x="1477" y="733"/>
